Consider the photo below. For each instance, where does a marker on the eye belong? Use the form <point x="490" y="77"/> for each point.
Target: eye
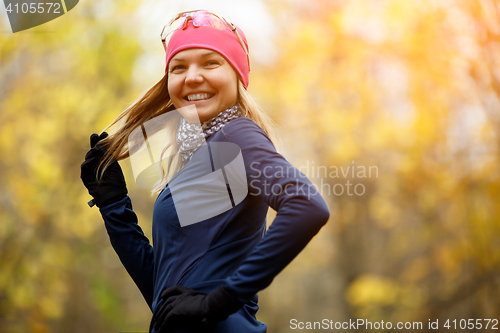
<point x="212" y="63"/>
<point x="177" y="68"/>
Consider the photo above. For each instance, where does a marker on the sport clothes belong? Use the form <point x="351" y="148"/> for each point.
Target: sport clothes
<point x="233" y="248"/>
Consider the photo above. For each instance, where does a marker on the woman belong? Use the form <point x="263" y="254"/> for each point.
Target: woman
<point x="204" y="275"/>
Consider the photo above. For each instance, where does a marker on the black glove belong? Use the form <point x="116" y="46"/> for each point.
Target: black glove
<point x="112" y="187"/>
<point x="195" y="310"/>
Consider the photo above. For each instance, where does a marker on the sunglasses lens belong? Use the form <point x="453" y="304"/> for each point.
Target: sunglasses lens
<point x="208" y="20"/>
<point x="169" y="29"/>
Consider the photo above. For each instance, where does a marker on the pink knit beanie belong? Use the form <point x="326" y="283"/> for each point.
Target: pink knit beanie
<point x="223" y="41"/>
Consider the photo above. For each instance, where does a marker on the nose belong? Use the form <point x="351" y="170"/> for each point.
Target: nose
<point x="193" y="75"/>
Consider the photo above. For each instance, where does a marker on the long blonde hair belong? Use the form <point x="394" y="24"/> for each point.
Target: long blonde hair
<point x="156" y="101"/>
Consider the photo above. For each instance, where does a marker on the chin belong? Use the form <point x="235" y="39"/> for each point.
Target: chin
<point x="206" y="116"/>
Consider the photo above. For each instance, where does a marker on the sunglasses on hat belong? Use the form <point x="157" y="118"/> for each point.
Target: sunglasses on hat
<point x="200" y="18"/>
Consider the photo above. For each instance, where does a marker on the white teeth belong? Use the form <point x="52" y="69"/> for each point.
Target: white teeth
<point x="196" y="97"/>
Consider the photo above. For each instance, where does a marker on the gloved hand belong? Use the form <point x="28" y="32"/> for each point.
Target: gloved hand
<point x="195" y="310"/>
<point x="112" y="187"/>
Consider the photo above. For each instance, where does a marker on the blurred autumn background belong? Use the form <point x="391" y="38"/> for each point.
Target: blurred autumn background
<point x="411" y="88"/>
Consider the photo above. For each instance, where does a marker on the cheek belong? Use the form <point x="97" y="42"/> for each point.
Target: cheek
<point x="173" y="87"/>
<point x="232" y="94"/>
<point x="233" y="90"/>
<point x="229" y="83"/>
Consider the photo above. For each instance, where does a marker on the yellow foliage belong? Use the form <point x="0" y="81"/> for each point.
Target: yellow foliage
<point x="372" y="289"/>
<point x="417" y="270"/>
<point x="383" y="210"/>
<point x="445" y="260"/>
<point x="409" y="86"/>
<point x="50" y="307"/>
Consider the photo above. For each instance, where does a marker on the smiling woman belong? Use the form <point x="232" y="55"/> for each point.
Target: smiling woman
<point x="204" y="276"/>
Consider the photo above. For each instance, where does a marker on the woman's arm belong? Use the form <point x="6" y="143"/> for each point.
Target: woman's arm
<point x="301" y="211"/>
<point x="131" y="245"/>
<point x="110" y="195"/>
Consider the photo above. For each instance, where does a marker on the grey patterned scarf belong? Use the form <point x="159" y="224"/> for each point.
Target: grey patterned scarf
<point x="191" y="136"/>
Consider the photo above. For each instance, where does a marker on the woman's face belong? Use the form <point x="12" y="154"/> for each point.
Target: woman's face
<point x="204" y="78"/>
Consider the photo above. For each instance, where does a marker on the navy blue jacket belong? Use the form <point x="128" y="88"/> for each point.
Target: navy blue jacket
<point x="233" y="248"/>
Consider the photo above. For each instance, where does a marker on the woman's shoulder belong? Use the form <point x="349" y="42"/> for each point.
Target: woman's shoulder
<point x="243" y="129"/>
<point x="243" y="122"/>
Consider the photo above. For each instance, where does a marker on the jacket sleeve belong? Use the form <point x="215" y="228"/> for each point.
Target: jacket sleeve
<point x="130" y="244"/>
<point x="301" y="210"/>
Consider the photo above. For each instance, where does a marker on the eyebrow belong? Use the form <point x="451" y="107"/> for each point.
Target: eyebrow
<point x="203" y="55"/>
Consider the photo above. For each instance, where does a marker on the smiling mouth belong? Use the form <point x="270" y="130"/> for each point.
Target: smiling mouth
<point x="198" y="97"/>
